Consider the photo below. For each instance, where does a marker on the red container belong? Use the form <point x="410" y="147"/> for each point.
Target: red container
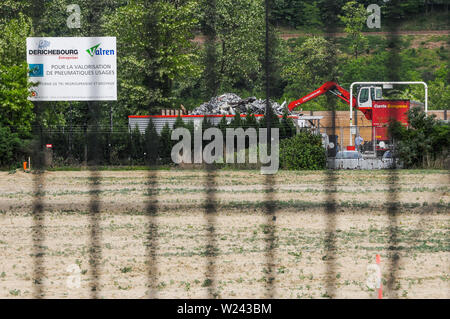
<point x="351" y="148"/>
<point x="384" y="112"/>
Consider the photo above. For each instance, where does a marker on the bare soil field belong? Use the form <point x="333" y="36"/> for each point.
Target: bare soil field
<point x="229" y="234"/>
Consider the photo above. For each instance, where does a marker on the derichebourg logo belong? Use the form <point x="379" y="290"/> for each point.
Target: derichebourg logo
<point x="43" y="44"/>
<point x="97" y="50"/>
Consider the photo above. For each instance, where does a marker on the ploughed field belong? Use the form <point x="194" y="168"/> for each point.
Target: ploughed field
<point x="224" y="234"/>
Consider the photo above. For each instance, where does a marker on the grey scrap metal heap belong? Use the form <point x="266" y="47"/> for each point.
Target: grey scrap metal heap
<point x="230" y="104"/>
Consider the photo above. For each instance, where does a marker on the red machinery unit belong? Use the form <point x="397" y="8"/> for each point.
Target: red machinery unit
<point x="371" y="103"/>
<point x="384" y="112"/>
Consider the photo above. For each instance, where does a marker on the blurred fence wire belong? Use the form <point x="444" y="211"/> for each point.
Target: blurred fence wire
<point x="94" y="145"/>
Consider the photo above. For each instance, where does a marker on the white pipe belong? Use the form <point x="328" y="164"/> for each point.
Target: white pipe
<point x="351" y="114"/>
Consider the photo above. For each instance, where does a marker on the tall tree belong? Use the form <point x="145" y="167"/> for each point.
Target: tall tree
<point x="155" y="49"/>
<point x="209" y="23"/>
<point x="354" y="18"/>
<point x="16" y="111"/>
<point x="310" y="65"/>
<point x="240" y="33"/>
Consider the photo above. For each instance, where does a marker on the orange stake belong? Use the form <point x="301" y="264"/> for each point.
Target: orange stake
<point x="380" y="289"/>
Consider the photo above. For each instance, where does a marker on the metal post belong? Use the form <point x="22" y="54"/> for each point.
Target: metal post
<point x="110" y="119"/>
<point x="351" y="114"/>
<point x="374" y="141"/>
<point x="70" y="127"/>
<point x="110" y="133"/>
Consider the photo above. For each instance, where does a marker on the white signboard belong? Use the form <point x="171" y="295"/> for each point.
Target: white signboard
<point x="73" y="69"/>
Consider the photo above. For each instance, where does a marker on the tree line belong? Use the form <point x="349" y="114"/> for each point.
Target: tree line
<point x="129" y="146"/>
<point x="161" y="66"/>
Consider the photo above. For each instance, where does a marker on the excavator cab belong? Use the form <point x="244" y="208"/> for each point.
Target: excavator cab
<point x="368" y="94"/>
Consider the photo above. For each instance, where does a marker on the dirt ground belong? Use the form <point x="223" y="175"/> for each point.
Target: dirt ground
<point x="229" y="234"/>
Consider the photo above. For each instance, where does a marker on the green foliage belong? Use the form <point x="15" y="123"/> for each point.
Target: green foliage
<point x="413" y="64"/>
<point x="236" y="121"/>
<point x="120" y="146"/>
<point x="251" y="121"/>
<point x="206" y="123"/>
<point x="401" y="9"/>
<point x="190" y="127"/>
<point x="13" y="40"/>
<point x="240" y="33"/>
<point x="223" y="125"/>
<point x="127" y="147"/>
<point x="137" y="149"/>
<point x="287" y="127"/>
<point x="12" y="8"/>
<point x="311" y="17"/>
<point x="179" y="123"/>
<point x="424" y="144"/>
<point x="10" y="145"/>
<point x="438" y="94"/>
<point x="412" y="14"/>
<point x="287" y="12"/>
<point x="160" y="67"/>
<point x="304" y="151"/>
<point x="270" y="119"/>
<point x="154" y="41"/>
<point x="165" y="145"/>
<point x="354" y="18"/>
<point x="151" y="143"/>
<point x="310" y="65"/>
<point x="16" y="111"/>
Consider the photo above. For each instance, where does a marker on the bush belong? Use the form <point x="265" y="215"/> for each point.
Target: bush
<point x="10" y="147"/>
<point x="303" y="151"/>
<point x="165" y="145"/>
<point x="151" y="141"/>
<point x="424" y="144"/>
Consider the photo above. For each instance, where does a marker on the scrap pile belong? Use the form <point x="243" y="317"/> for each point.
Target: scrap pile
<point x="230" y="104"/>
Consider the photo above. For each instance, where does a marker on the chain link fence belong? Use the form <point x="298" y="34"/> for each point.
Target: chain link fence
<point x="94" y="146"/>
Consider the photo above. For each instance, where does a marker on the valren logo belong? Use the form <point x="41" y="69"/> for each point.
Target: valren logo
<point x="96" y="50"/>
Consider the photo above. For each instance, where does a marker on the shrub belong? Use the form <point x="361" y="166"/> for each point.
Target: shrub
<point x="424" y="144"/>
<point x="303" y="151"/>
<point x="151" y="141"/>
<point x="165" y="145"/>
<point x="10" y="145"/>
<point x="137" y="149"/>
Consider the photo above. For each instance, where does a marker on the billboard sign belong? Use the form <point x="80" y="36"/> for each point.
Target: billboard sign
<point x="72" y="68"/>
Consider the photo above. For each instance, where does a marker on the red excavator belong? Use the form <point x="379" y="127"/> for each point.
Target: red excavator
<point x="371" y="103"/>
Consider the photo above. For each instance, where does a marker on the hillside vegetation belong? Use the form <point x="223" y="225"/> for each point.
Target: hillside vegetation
<point x="162" y="65"/>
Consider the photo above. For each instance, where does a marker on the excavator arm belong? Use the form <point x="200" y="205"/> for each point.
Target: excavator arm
<point x="337" y="90"/>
